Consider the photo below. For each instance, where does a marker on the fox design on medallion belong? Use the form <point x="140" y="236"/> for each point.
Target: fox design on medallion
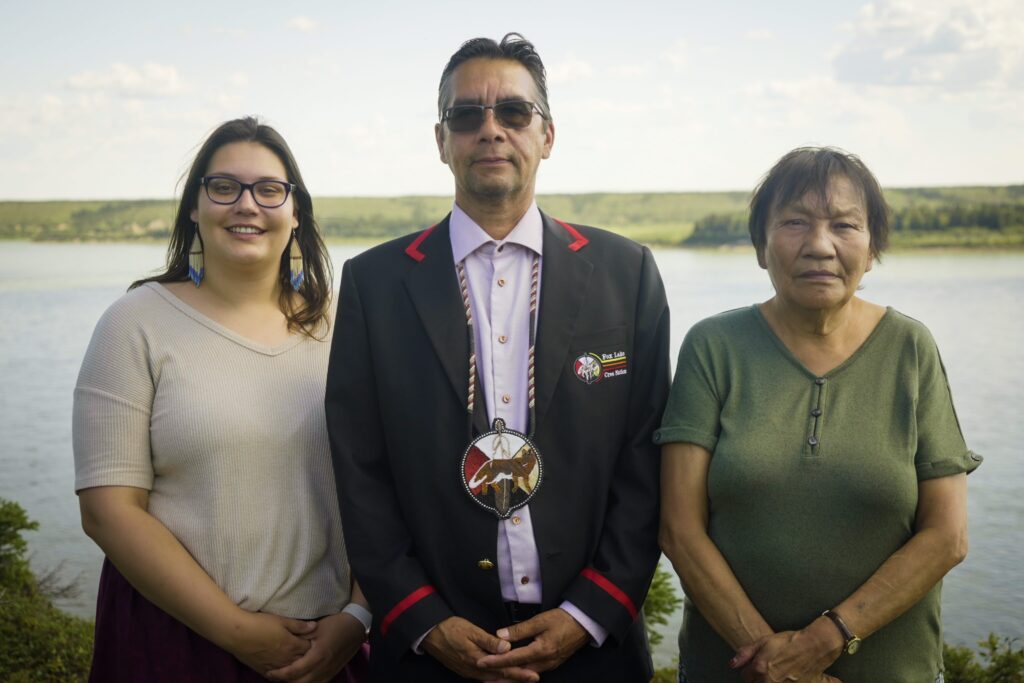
<point x="505" y="480"/>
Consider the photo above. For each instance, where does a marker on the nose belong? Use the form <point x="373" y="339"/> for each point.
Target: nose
<point x="490" y="129"/>
<point x="819" y="244"/>
<point x="246" y="202"/>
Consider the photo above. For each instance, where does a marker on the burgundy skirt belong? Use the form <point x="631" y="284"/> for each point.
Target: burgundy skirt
<point x="138" y="641"/>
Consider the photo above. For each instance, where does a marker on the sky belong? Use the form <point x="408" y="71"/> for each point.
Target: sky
<point x="110" y="100"/>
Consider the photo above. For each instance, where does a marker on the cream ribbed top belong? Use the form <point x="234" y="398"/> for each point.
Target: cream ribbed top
<point x="230" y="439"/>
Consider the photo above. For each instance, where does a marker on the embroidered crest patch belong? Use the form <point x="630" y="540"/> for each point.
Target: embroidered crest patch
<point x="501" y="470"/>
<point x="591" y="368"/>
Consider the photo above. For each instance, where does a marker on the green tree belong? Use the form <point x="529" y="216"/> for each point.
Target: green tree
<point x="40" y="643"/>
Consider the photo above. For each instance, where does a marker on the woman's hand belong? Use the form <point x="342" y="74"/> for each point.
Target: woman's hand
<point x="336" y="640"/>
<point x="265" y="642"/>
<point x="790" y="655"/>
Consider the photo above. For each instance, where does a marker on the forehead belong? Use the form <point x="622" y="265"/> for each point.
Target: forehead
<point x="483" y="80"/>
<point x="246" y="159"/>
<point x="839" y="196"/>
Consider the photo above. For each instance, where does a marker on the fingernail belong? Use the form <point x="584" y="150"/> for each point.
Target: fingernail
<point x="503" y="633"/>
<point x="732" y="662"/>
<point x="504" y="646"/>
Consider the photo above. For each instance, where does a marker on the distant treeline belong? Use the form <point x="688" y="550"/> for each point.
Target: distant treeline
<point x="969" y="225"/>
<point x="966" y="216"/>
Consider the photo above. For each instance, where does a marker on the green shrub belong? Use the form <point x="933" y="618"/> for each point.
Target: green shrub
<point x="660" y="603"/>
<point x="1003" y="662"/>
<point x="40" y="643"/>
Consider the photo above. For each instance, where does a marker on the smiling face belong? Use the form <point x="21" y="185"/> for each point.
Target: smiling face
<point x="244" y="233"/>
<point x="816" y="252"/>
<point x="494" y="164"/>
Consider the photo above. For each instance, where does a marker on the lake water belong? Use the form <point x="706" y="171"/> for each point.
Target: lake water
<point x="51" y="296"/>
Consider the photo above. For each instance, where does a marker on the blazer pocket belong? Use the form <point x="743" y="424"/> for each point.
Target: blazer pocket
<point x="599" y="355"/>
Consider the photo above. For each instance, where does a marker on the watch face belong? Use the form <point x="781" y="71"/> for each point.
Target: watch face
<point x="853" y="646"/>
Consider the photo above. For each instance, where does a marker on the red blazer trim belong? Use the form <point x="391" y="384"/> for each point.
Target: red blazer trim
<point x="611" y="589"/>
<point x="412" y="598"/>
<point x="580" y="242"/>
<point x="413" y="250"/>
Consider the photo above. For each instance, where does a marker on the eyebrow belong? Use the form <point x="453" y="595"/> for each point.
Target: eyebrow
<point x="834" y="211"/>
<point x="232" y="176"/>
<point x="500" y="100"/>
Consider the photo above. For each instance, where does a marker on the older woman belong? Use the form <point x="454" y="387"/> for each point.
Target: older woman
<point x="813" y="469"/>
<point x="202" y="463"/>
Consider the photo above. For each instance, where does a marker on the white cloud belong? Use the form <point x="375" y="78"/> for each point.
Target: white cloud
<point x="569" y="70"/>
<point x="822" y="103"/>
<point x="759" y="34"/>
<point x="677" y="55"/>
<point x="146" y="81"/>
<point x="951" y="44"/>
<point x="630" y="70"/>
<point x="303" y="24"/>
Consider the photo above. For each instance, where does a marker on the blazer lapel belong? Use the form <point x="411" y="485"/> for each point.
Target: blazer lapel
<point x="565" y="277"/>
<point x="433" y="287"/>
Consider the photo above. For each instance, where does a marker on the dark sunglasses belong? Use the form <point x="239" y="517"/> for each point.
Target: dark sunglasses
<point x="467" y="118"/>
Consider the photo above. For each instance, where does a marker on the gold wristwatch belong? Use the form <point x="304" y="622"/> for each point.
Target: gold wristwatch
<point x="852" y="641"/>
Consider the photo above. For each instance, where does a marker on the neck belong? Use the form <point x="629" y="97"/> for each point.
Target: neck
<point x="818" y="325"/>
<point x="241" y="288"/>
<point x="496" y="217"/>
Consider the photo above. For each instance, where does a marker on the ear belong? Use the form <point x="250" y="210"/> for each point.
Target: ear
<point x="549" y="139"/>
<point x="761" y="260"/>
<point x="193" y="216"/>
<point x="295" y="219"/>
<point x="439" y="138"/>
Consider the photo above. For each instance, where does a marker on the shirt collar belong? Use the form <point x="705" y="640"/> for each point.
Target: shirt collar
<point x="467" y="236"/>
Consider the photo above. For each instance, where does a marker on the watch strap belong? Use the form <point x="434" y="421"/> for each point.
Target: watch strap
<point x="852" y="642"/>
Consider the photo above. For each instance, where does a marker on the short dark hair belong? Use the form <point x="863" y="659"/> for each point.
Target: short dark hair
<point x="810" y="169"/>
<point x="513" y="47"/>
<point x="315" y="290"/>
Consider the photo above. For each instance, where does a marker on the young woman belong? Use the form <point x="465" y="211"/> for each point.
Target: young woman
<point x="202" y="463"/>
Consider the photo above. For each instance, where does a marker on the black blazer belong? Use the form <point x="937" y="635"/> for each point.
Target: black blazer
<point x="396" y="393"/>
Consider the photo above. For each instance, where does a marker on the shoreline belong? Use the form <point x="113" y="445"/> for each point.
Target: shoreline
<point x="333" y="240"/>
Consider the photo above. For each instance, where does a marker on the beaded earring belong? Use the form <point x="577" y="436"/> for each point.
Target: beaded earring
<point x="196" y="267"/>
<point x="296" y="272"/>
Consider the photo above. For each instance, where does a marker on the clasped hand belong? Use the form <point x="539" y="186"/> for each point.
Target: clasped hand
<point x="786" y="656"/>
<point x="473" y="653"/>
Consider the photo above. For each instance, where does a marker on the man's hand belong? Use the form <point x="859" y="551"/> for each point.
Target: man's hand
<point x="555" y="637"/>
<point x="459" y="645"/>
<point x="337" y="638"/>
<point x="264" y="641"/>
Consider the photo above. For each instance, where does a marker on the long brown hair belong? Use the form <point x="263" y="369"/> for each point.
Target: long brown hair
<point x="308" y="317"/>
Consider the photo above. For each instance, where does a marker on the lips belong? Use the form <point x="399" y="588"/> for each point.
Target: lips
<point x="488" y="161"/>
<point x="245" y="230"/>
<point x="819" y="275"/>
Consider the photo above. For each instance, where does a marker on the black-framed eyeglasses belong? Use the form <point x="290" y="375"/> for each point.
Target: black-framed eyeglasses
<point x="466" y="118"/>
<point x="269" y="194"/>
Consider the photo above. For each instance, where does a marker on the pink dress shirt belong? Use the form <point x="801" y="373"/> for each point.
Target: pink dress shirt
<point x="499" y="286"/>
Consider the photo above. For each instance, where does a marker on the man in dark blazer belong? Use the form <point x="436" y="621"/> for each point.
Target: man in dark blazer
<point x="546" y="570"/>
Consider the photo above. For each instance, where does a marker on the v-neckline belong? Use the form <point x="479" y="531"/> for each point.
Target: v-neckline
<point x="791" y="357"/>
<point x="223" y="331"/>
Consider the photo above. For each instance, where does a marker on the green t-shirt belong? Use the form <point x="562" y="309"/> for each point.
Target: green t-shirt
<point x="813" y="481"/>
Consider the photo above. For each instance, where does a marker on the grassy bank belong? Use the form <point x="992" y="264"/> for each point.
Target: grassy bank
<point x="966" y="217"/>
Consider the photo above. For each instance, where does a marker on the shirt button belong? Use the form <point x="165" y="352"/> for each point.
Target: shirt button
<point x="501" y="248"/>
<point x="525" y="580"/>
<point x="501" y="282"/>
<point x="506" y="398"/>
<point x="819" y="381"/>
<point x="517" y="520"/>
<point x="813" y="441"/>
<point x="502" y="339"/>
<point x="816" y="412"/>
